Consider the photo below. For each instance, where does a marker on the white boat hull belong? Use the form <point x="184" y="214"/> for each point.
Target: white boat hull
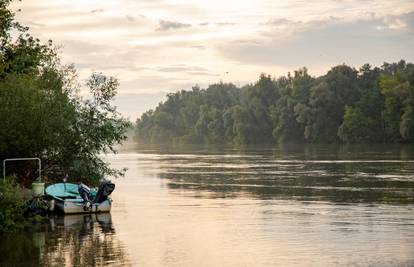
<point x="70" y="207"/>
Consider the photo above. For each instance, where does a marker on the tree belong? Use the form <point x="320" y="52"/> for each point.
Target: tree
<point x="258" y="101"/>
<point x="43" y="116"/>
<point x="345" y="105"/>
<point x="397" y="85"/>
<point x="363" y="120"/>
<point x="294" y="94"/>
<point x="356" y="127"/>
<point x="324" y="112"/>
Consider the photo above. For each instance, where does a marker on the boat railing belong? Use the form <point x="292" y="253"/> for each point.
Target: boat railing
<point x="22" y="159"/>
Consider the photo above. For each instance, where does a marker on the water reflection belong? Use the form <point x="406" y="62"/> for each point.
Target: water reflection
<point x="198" y="206"/>
<point x="330" y="173"/>
<point x="72" y="240"/>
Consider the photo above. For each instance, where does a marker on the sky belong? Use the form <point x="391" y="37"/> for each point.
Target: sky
<point x="155" y="47"/>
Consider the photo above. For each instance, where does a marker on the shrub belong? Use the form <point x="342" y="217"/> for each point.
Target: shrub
<point x="12" y="206"/>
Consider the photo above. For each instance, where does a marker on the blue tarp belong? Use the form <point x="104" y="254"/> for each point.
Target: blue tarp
<point x="66" y="191"/>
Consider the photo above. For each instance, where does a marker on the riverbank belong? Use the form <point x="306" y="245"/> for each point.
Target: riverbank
<point x="14" y="202"/>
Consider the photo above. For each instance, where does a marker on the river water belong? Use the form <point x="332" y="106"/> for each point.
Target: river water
<point x="262" y="206"/>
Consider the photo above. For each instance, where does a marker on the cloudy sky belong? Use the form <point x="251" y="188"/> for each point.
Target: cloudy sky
<point x="159" y="46"/>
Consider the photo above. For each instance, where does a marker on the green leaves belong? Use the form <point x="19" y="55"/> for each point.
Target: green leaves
<point x="103" y="88"/>
<point x="397" y="86"/>
<point x="42" y="115"/>
<point x="11" y="206"/>
<point x="345" y="105"/>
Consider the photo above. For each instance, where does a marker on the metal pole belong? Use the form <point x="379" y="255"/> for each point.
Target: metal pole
<point x="22" y="159"/>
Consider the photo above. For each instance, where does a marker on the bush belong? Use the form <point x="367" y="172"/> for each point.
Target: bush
<point x="12" y="206"/>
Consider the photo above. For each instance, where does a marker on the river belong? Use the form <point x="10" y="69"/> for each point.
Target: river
<point x="260" y="206"/>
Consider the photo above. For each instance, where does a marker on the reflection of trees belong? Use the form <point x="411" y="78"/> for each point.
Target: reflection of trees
<point x="18" y="250"/>
<point x="301" y="193"/>
<point x="75" y="240"/>
<point x="312" y="172"/>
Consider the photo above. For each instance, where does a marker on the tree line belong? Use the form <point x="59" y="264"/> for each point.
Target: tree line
<point x="346" y="105"/>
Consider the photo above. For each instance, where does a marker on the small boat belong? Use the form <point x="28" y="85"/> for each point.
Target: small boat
<point x="72" y="198"/>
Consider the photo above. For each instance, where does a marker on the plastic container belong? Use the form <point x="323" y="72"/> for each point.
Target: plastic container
<point x="38" y="189"/>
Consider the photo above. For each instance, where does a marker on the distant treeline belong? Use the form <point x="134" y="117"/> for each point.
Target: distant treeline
<point x="344" y="106"/>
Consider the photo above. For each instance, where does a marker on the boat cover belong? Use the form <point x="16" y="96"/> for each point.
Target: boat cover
<point x="67" y="191"/>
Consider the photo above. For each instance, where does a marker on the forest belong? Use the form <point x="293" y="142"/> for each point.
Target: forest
<point x="346" y="105"/>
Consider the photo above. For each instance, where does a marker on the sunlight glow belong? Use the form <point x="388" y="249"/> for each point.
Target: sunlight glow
<point x="133" y="40"/>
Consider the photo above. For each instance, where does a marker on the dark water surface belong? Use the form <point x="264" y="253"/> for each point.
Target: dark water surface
<point x="286" y="206"/>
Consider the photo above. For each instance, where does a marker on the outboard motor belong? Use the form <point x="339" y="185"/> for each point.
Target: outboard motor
<point x="85" y="193"/>
<point x="105" y="189"/>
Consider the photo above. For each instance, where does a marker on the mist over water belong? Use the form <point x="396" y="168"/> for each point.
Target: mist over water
<point x="256" y="206"/>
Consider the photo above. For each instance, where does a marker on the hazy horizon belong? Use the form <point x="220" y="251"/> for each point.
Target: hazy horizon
<point x="159" y="46"/>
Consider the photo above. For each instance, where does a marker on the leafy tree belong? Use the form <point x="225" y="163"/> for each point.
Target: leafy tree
<point x="294" y="94"/>
<point x="345" y="105"/>
<point x="363" y="120"/>
<point x="324" y="112"/>
<point x="397" y="85"/>
<point x="43" y="116"/>
<point x="356" y="128"/>
<point x="258" y="101"/>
